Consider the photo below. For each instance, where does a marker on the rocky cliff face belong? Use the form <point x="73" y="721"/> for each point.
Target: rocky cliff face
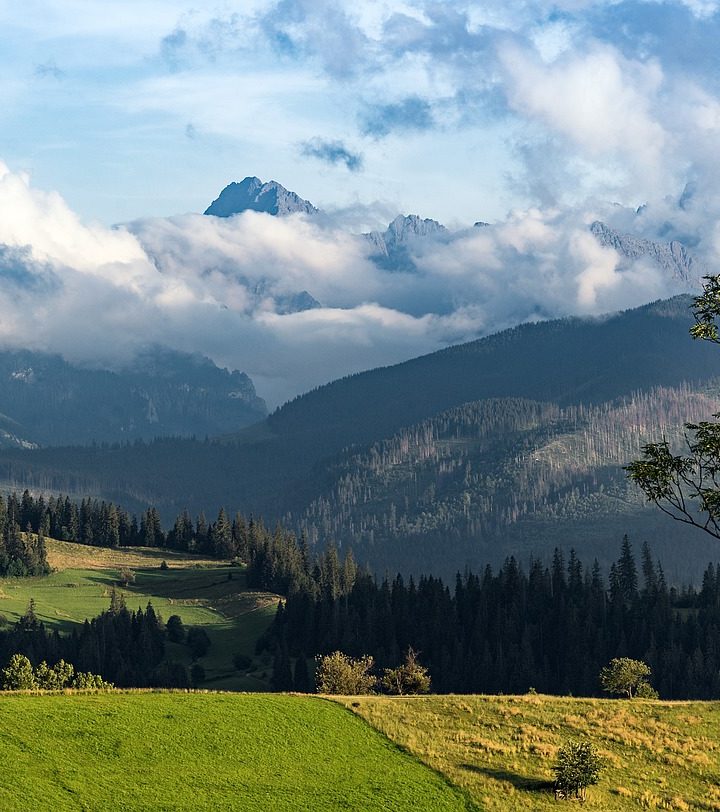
<point x="254" y="195"/>
<point x="394" y="248"/>
<point x="402" y="231"/>
<point x="672" y="257"/>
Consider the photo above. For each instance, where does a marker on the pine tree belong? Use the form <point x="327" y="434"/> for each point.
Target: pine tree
<point x="627" y="572"/>
<point x="221" y="537"/>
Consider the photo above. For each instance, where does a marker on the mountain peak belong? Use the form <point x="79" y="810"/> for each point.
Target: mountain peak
<point x="390" y="247"/>
<point x="254" y="195"/>
<point x="405" y="227"/>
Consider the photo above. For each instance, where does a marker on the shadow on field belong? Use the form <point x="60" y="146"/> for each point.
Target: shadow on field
<point x="518" y="781"/>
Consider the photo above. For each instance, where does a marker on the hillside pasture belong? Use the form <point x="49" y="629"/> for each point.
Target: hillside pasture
<point x="658" y="755"/>
<point x="178" y="751"/>
<point x="203" y="593"/>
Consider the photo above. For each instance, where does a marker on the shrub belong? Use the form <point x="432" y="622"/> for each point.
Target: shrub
<point x="578" y="766"/>
<point x="242" y="662"/>
<point x="198" y="641"/>
<point x="337" y="673"/>
<point x="175" y="629"/>
<point x="85" y="680"/>
<point x="408" y="678"/>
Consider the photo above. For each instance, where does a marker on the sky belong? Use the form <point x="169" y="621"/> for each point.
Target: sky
<point x="121" y="121"/>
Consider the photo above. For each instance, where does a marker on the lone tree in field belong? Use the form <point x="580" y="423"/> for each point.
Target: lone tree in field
<point x="577" y="767"/>
<point x="628" y="678"/>
<point x="408" y="678"/>
<point x="687" y="486"/>
<point x="337" y="673"/>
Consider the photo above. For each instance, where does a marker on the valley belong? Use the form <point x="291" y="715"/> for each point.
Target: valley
<point x="359" y="406"/>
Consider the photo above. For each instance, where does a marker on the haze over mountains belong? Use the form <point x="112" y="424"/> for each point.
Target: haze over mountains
<point x="509" y="444"/>
<point x="512" y="442"/>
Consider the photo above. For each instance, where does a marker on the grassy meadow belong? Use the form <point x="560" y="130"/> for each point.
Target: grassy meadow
<point x="203" y="593"/>
<point x="658" y="755"/>
<point x="205" y="751"/>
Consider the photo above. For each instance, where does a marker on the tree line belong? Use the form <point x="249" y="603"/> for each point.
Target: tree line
<point x="105" y="524"/>
<point x="550" y="629"/>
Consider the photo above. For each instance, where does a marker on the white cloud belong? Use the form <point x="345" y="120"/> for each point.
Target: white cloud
<point x="599" y="100"/>
<point x="215" y="286"/>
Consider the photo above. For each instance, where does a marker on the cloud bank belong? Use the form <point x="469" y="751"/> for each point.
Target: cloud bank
<point x="219" y="286"/>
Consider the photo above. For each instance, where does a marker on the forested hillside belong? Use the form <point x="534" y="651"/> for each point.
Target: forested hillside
<point x="44" y="400"/>
<point x="460" y="488"/>
<point x="513" y="442"/>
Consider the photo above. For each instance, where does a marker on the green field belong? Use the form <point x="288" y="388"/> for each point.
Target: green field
<point x="201" y="592"/>
<point x="659" y="755"/>
<point x="177" y="751"/>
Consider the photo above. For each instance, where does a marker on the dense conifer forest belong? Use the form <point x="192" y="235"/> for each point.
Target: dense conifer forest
<point x="105" y="524"/>
<point x="551" y="628"/>
<point x="469" y="476"/>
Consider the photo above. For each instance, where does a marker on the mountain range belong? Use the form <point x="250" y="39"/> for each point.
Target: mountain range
<point x="392" y="249"/>
<point x="510" y="444"/>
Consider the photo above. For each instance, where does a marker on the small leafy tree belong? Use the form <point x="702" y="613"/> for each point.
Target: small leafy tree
<point x="408" y="678"/>
<point x="18" y="674"/>
<point x="54" y="678"/>
<point x="577" y="767"/>
<point x="627" y="677"/>
<point x="337" y="673"/>
<point x="687" y="486"/>
<point x="126" y="577"/>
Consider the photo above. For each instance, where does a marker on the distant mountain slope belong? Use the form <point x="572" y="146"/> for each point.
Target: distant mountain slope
<point x="537" y="431"/>
<point x="47" y="401"/>
<point x="564" y="361"/>
<point x="496" y="477"/>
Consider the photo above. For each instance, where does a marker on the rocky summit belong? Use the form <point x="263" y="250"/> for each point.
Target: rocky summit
<point x="251" y="194"/>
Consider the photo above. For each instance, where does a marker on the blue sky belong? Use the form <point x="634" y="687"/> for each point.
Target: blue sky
<point x="133" y="108"/>
<point x="538" y="118"/>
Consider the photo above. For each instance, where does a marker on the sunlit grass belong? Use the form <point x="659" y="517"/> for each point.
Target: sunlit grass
<point x="176" y="751"/>
<point x="501" y="750"/>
